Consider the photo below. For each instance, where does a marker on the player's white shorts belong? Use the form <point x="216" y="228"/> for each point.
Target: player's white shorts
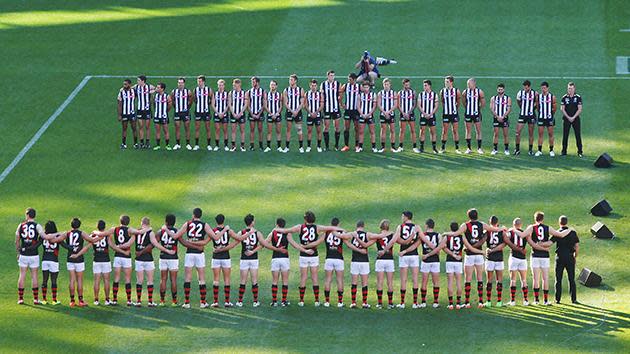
<point x="409" y="261"/>
<point x="384" y="265"/>
<point x="50" y="266"/>
<point x="473" y="259"/>
<point x="28" y="261"/>
<point x="247" y="264"/>
<point x="169" y="264"/>
<point x="280" y="264"/>
<point x="333" y="264"/>
<point x="494" y="265"/>
<point x="517" y="264"/>
<point x="359" y="268"/>
<point x="77" y="267"/>
<point x="145" y="266"/>
<point x="197" y="260"/>
<point x="309" y="261"/>
<point x="221" y="263"/>
<point x="101" y="267"/>
<point x="120" y="262"/>
<point x="454" y="267"/>
<point x="539" y="262"/>
<point x="430" y="267"/>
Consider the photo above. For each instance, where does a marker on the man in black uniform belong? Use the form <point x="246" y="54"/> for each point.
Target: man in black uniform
<point x="566" y="254"/>
<point x="571" y="107"/>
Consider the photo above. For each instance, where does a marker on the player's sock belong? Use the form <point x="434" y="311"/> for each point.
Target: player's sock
<point x="316" y="292"/>
<point x="525" y="292"/>
<point x="150" y="292"/>
<point x="423" y="295"/>
<point x="71" y="297"/>
<point x="390" y="297"/>
<point x="301" y="143"/>
<point x="364" y="292"/>
<point x="124" y="140"/>
<point x="512" y="293"/>
<point x="456" y="144"/>
<point x="373" y="145"/>
<point x="241" y="292"/>
<point x="450" y="301"/>
<point x="382" y="145"/>
<point x="340" y="296"/>
<point x="467" y="291"/>
<point x="433" y="145"/>
<point x="346" y="137"/>
<point x="540" y="148"/>
<point x="415" y="295"/>
<point x="506" y="146"/>
<point x="518" y="147"/>
<point x="443" y="144"/>
<point x="215" y="293"/>
<point x="499" y="291"/>
<point x="356" y="142"/>
<point x="489" y="291"/>
<point x="196" y="141"/>
<point x="468" y="143"/>
<point x="53" y="287"/>
<point x="302" y="291"/>
<point x="480" y="290"/>
<point x="436" y="294"/>
<point x="202" y="293"/>
<point x="337" y="135"/>
<point x="287" y="144"/>
<point x="459" y="299"/>
<point x="360" y="145"/>
<point x="274" y="292"/>
<point x="174" y="296"/>
<point x="260" y="145"/>
<point x="278" y="142"/>
<point x="187" y="292"/>
<point x="402" y="295"/>
<point x="225" y="142"/>
<point x="326" y="295"/>
<point x="157" y="142"/>
<point x="353" y="293"/>
<point x="269" y="144"/>
<point x="251" y="146"/>
<point x="422" y="145"/>
<point x="44" y="291"/>
<point x="128" y="291"/>
<point x="379" y="296"/>
<point x="242" y="145"/>
<point x="536" y="294"/>
<point x="285" y="292"/>
<point x="308" y="142"/>
<point x="162" y="295"/>
<point x="233" y="143"/>
<point x="135" y="139"/>
<point x="326" y="139"/>
<point x="546" y="295"/>
<point x="226" y="292"/>
<point x="415" y="144"/>
<point x="255" y="292"/>
<point x="115" y="291"/>
<point x="36" y="293"/>
<point x="168" y="141"/>
<point x="495" y="146"/>
<point x="478" y="143"/>
<point x="209" y="140"/>
<point x="531" y="147"/>
<point x="139" y="292"/>
<point x="319" y="144"/>
<point x="393" y="145"/>
<point x="216" y="142"/>
<point x="400" y="145"/>
<point x="177" y="141"/>
<point x="550" y="147"/>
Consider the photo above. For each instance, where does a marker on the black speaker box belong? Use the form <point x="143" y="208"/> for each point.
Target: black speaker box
<point x="600" y="230"/>
<point x="589" y="278"/>
<point x="604" y="161"/>
<point x="602" y="208"/>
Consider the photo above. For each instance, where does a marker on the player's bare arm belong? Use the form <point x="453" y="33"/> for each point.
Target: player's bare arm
<point x="354" y="248"/>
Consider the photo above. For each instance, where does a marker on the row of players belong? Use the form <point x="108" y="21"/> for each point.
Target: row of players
<point x="467" y="238"/>
<point x="324" y="103"/>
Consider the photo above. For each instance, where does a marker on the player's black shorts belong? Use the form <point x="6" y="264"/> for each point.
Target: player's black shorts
<point x="332" y="115"/>
<point x="271" y="119"/>
<point x="160" y="120"/>
<point x="504" y="124"/>
<point x="390" y="120"/>
<point x="368" y="120"/>
<point x="127" y="117"/>
<point x="290" y="118"/>
<point x="547" y="122"/>
<point x="205" y="116"/>
<point x="143" y="114"/>
<point x="314" y="121"/>
<point x="254" y="119"/>
<point x="240" y="120"/>
<point x="351" y="114"/>
<point x="184" y="116"/>
<point x="450" y="118"/>
<point x="526" y="119"/>
<point x="218" y="119"/>
<point x="427" y="122"/>
<point x="412" y="118"/>
<point x="472" y="118"/>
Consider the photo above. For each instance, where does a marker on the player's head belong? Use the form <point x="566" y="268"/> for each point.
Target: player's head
<point x="255" y="81"/>
<point x="494" y="220"/>
<point x="100" y="225"/>
<point x="293" y="79"/>
<point x="273" y="85"/>
<point x="387" y="83"/>
<point x="141" y="79"/>
<point x="75" y="223"/>
<point x="334" y="221"/>
<point x="527" y="84"/>
<point x="197" y="213"/>
<point x="220" y="219"/>
<point x="201" y="80"/>
<point x="30" y="213"/>
<point x="249" y="220"/>
<point x="406" y="83"/>
<point x="562" y="220"/>
<point x="360" y="224"/>
<point x="365" y="87"/>
<point x="145" y="221"/>
<point x="406" y="216"/>
<point x="280" y="222"/>
<point x="426" y="85"/>
<point x="454" y="226"/>
<point x="471" y="83"/>
<point x="221" y="84"/>
<point x="352" y="78"/>
<point x="309" y="217"/>
<point x="571" y="88"/>
<point x="384" y="224"/>
<point x="430" y="223"/>
<point x="544" y="87"/>
<point x="236" y="84"/>
<point x="473" y="214"/>
<point x="169" y="220"/>
<point x="501" y="88"/>
<point x="448" y="81"/>
<point x="517" y="223"/>
<point x="330" y="75"/>
<point x="313" y="85"/>
<point x="181" y="82"/>
<point x="127" y="84"/>
<point x="50" y="227"/>
<point x="539" y="216"/>
<point x="161" y="87"/>
<point x="124" y="220"/>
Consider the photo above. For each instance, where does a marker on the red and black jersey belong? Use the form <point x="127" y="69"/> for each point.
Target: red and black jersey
<point x="121" y="236"/>
<point x="195" y="231"/>
<point x="334" y="246"/>
<point x="308" y="234"/>
<point x="29" y="237"/>
<point x="474" y="233"/>
<point x="358" y="256"/>
<point x="169" y="243"/>
<point x="279" y="240"/>
<point x="101" y="250"/>
<point x="519" y="242"/>
<point x="408" y="230"/>
<point x="455" y="244"/>
<point x="540" y="233"/>
<point x="51" y="251"/>
<point x="223" y="241"/>
<point x="434" y="237"/>
<point x="383" y="242"/>
<point x="494" y="239"/>
<point x="248" y="244"/>
<point x="142" y="242"/>
<point x="74" y="243"/>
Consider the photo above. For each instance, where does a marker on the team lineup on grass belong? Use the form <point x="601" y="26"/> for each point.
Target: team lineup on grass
<point x="419" y="252"/>
<point x="328" y="102"/>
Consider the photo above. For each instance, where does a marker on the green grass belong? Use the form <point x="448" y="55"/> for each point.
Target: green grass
<point x="76" y="168"/>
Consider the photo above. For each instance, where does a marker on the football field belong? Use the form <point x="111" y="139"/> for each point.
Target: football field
<point x="63" y="64"/>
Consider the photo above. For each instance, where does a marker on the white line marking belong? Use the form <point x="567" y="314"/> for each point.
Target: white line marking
<point x="624" y="30"/>
<point x="622" y="65"/>
<point x="43" y="128"/>
<point x="391" y="77"/>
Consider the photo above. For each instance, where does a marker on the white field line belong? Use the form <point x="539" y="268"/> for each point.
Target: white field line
<point x="43" y="128"/>
<point x="319" y="76"/>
